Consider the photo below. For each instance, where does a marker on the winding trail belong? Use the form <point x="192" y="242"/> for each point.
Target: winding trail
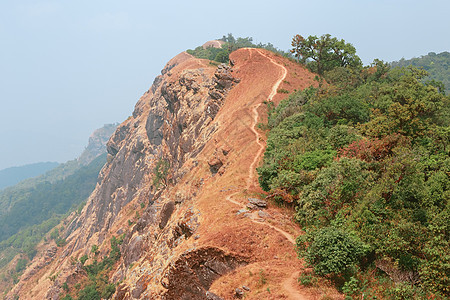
<point x="290" y="281"/>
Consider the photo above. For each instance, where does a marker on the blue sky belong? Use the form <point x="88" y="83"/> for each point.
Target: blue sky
<point x="68" y="67"/>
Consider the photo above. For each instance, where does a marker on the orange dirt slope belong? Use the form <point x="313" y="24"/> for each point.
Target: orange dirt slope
<point x="268" y="242"/>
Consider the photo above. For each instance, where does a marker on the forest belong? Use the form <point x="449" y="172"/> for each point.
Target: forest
<point x="437" y="66"/>
<point x="364" y="160"/>
<point x="31" y="210"/>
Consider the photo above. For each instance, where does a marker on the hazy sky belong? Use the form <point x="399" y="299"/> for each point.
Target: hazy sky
<point x="68" y="67"/>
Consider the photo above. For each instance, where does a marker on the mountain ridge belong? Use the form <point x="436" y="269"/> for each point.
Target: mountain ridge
<point x="200" y="120"/>
<point x="13" y="175"/>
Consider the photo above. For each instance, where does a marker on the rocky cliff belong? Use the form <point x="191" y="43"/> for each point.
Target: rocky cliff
<point x="180" y="193"/>
<point x="97" y="144"/>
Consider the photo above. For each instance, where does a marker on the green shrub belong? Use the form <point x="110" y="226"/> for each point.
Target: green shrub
<point x="89" y="293"/>
<point x="65" y="287"/>
<point x="282" y="91"/>
<point x="21" y="265"/>
<point x="307" y="280"/>
<point x="332" y="251"/>
<point x="108" y="291"/>
<point x="351" y="287"/>
<point x="83" y="259"/>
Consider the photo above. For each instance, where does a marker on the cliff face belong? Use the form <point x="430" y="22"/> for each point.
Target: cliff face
<point x="180" y="172"/>
<point x="97" y="144"/>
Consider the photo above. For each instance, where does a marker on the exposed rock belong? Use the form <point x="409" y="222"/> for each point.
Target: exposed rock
<point x="214" y="165"/>
<point x="97" y="144"/>
<point x="242" y="211"/>
<point x="246" y="288"/>
<point x="395" y="273"/>
<point x="193" y="273"/>
<point x="255" y="203"/>
<point x="263" y="214"/>
<point x="166" y="213"/>
<point x="133" y="250"/>
<point x="180" y="119"/>
<point x="238" y="293"/>
<point x="121" y="291"/>
<point x="153" y="128"/>
<point x="212" y="296"/>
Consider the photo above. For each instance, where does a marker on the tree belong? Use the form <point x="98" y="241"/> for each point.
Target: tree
<point x="325" y="52"/>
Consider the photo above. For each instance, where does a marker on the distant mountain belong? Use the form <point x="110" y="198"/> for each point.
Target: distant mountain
<point x="438" y="65"/>
<point x="12" y="176"/>
<point x="32" y="207"/>
<point x="22" y="207"/>
<point x="97" y="143"/>
<point x="95" y="148"/>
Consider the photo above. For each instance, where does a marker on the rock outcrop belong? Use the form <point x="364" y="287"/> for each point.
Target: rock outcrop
<point x="166" y="191"/>
<point x="97" y="144"/>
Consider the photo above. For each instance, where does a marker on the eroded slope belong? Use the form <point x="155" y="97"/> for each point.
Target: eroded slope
<point x="185" y="233"/>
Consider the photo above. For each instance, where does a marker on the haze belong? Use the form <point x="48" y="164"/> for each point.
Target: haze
<point x="68" y="67"/>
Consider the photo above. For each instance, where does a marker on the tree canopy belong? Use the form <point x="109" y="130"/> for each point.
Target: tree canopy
<point x="365" y="161"/>
<point x="437" y="66"/>
<point x="324" y="53"/>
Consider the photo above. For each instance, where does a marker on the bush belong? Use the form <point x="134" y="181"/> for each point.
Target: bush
<point x="332" y="251"/>
<point x="83" y="259"/>
<point x="108" y="291"/>
<point x="21" y="265"/>
<point x="89" y="293"/>
<point x="308" y="280"/>
<point x="351" y="287"/>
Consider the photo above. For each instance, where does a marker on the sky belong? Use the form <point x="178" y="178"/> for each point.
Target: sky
<point x="69" y="67"/>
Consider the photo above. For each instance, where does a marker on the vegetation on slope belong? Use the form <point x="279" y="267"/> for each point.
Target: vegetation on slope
<point x="437" y="66"/>
<point x="34" y="205"/>
<point x="97" y="285"/>
<point x="14" y="175"/>
<point x="365" y="160"/>
<point x="35" y="209"/>
<point x="231" y="44"/>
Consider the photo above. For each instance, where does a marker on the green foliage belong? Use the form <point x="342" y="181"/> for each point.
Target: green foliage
<point x="332" y="250"/>
<point x="12" y="176"/>
<point x="160" y="173"/>
<point x="262" y="280"/>
<point x="25" y="241"/>
<point x="404" y="291"/>
<point x="365" y="159"/>
<point x="65" y="287"/>
<point x="89" y="293"/>
<point x="83" y="259"/>
<point x="351" y="287"/>
<point x="21" y="265"/>
<point x="34" y="205"/>
<point x="94" y="249"/>
<point x="98" y="287"/>
<point x="108" y="291"/>
<point x="308" y="280"/>
<point x="221" y="55"/>
<point x="282" y="91"/>
<point x="324" y="53"/>
<point x="437" y="65"/>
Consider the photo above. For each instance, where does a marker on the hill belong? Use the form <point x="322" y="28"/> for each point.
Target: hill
<point x="437" y="65"/>
<point x="30" y="209"/>
<point x="354" y="180"/>
<point x="178" y="178"/>
<point x="13" y="175"/>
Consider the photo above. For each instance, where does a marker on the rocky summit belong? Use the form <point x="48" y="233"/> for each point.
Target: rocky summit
<point x="162" y="222"/>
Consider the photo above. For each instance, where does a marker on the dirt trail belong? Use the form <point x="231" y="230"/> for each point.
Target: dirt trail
<point x="272" y="94"/>
<point x="289" y="283"/>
